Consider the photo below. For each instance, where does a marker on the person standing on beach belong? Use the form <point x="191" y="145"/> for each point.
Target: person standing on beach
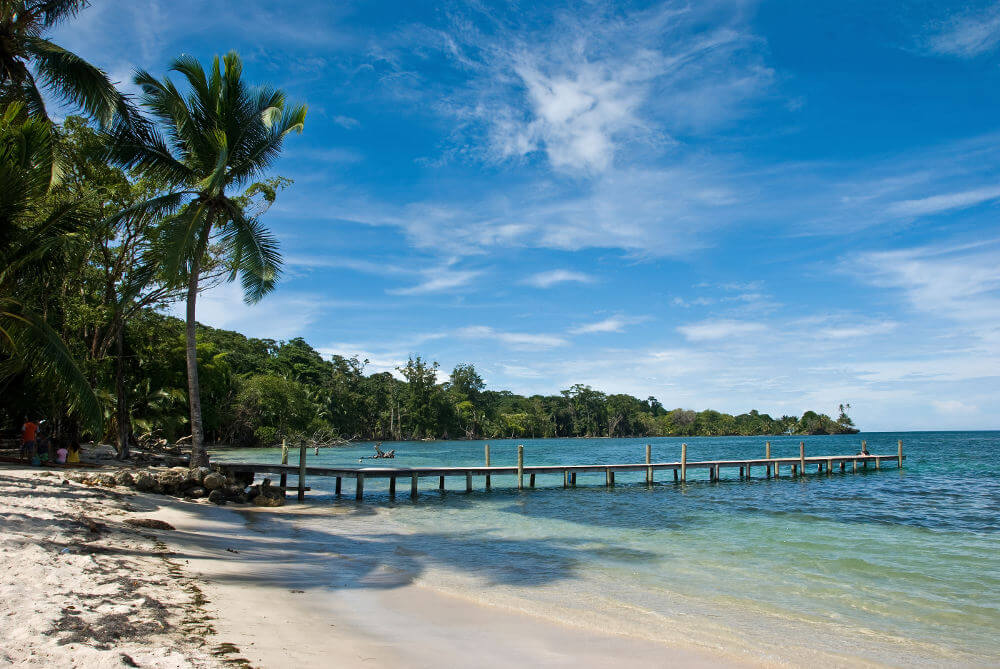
<point x="28" y="432"/>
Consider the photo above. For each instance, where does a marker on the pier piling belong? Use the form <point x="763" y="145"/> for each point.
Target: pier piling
<point x="520" y="467"/>
<point x="487" y="464"/>
<point x="649" y="470"/>
<point x="302" y="471"/>
<point x="684" y="462"/>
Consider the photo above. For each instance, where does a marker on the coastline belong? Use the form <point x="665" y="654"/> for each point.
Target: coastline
<point x="102" y="591"/>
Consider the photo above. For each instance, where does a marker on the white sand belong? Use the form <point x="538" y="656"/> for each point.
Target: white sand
<point x="274" y="608"/>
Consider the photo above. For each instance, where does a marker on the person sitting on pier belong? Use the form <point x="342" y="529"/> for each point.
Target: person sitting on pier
<point x="864" y="449"/>
<point x="378" y="451"/>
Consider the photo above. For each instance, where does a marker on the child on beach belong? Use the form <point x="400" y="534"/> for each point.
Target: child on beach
<point x="73" y="457"/>
<point x="61" y="455"/>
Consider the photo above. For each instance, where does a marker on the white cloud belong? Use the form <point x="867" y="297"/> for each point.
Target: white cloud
<point x="519" y="340"/>
<point x="555" y="276"/>
<point x="968" y="35"/>
<point x="612" y="324"/>
<point x="584" y="86"/>
<point x="939" y="203"/>
<point x="281" y="315"/>
<point x="437" y="280"/>
<point x="959" y="283"/>
<point x="346" y="122"/>
<point x="714" y="330"/>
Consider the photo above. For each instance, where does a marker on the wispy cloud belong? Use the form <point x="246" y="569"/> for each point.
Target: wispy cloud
<point x="439" y="279"/>
<point x="519" y="340"/>
<point x="967" y="35"/>
<point x="957" y="282"/>
<point x="715" y="330"/>
<point x="347" y="122"/>
<point x="578" y="88"/>
<point x="552" y="277"/>
<point x="936" y="204"/>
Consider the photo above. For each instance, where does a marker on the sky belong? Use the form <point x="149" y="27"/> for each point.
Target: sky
<point x="737" y="205"/>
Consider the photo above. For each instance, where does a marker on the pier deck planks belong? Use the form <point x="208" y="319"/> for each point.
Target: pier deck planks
<point x="569" y="472"/>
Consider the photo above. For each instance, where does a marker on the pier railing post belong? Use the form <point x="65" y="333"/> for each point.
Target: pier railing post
<point x="649" y="469"/>
<point x="900" y="445"/>
<point x="520" y="467"/>
<point x="684" y="462"/>
<point x="284" y="461"/>
<point x="767" y="450"/>
<point x="802" y="458"/>
<point x="487" y="449"/>
<point x="413" y="486"/>
<point x="302" y="471"/>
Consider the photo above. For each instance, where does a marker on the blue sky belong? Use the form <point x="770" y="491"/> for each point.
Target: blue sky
<point x="729" y="205"/>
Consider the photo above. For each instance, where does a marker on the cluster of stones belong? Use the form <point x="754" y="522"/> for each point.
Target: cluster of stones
<point x="197" y="483"/>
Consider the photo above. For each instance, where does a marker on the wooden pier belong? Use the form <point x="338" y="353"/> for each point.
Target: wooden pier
<point x="767" y="467"/>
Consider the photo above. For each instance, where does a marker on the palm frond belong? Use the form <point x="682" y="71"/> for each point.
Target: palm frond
<point x="253" y="254"/>
<point x="75" y="80"/>
<point x="36" y="348"/>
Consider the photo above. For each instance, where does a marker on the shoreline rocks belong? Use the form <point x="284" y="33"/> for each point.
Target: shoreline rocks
<point x="182" y="482"/>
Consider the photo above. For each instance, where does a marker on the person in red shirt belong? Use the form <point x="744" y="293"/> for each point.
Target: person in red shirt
<point x="28" y="432"/>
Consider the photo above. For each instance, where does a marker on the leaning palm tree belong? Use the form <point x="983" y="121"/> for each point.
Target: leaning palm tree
<point x="31" y="229"/>
<point x="208" y="144"/>
<point x="30" y="63"/>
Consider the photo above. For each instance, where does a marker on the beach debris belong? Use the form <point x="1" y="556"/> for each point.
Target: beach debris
<point x="128" y="661"/>
<point x="232" y="550"/>
<point x="217" y="496"/>
<point x="149" y="523"/>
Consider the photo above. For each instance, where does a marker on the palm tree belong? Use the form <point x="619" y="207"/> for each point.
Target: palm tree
<point x="29" y="230"/>
<point x="216" y="140"/>
<point x="29" y="62"/>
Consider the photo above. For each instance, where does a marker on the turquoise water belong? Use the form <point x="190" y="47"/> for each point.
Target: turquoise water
<point x="898" y="567"/>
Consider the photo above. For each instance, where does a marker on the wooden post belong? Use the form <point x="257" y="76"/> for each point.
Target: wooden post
<point x="572" y="479"/>
<point x="565" y="478"/>
<point x="440" y="483"/>
<point x="684" y="462"/>
<point x="877" y="465"/>
<point x="302" y="471"/>
<point x="843" y="466"/>
<point x="676" y="476"/>
<point x="284" y="461"/>
<point x="392" y="486"/>
<point x="468" y="481"/>
<point x="359" y="489"/>
<point x="608" y="480"/>
<point x="413" y="486"/>
<point x="487" y="464"/>
<point x="802" y="458"/>
<point x="777" y="469"/>
<point x="900" y="445"/>
<point x="748" y="471"/>
<point x="767" y="471"/>
<point x="520" y="467"/>
<point x="767" y="450"/>
<point x="531" y="480"/>
<point x="864" y="447"/>
<point x="649" y="469"/>
<point x="855" y="467"/>
<point x="741" y="473"/>
<point x="829" y="466"/>
<point x="338" y="485"/>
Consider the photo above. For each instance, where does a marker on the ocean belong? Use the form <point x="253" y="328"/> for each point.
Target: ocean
<point x="897" y="567"/>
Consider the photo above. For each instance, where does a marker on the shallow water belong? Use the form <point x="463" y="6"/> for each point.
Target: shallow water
<point x="893" y="567"/>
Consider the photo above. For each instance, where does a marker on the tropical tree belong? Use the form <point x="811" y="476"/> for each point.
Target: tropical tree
<point x="29" y="62"/>
<point x="31" y="228"/>
<point x="215" y="141"/>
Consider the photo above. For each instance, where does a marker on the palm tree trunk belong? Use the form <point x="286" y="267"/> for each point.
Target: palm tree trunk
<point x="199" y="456"/>
<point x="121" y="403"/>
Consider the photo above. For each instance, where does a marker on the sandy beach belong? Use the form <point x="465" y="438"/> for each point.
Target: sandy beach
<point x="85" y="588"/>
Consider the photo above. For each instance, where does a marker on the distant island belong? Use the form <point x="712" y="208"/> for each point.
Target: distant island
<point x="255" y="392"/>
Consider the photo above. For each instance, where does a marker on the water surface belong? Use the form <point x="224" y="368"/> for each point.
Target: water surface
<point x="893" y="567"/>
